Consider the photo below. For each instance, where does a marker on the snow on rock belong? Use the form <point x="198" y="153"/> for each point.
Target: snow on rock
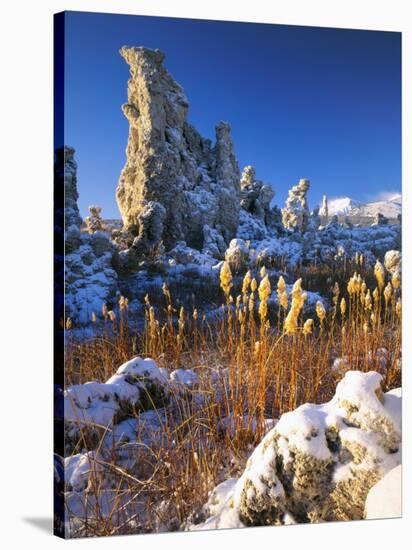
<point x="393" y="261"/>
<point x="184" y="377"/>
<point x="385" y="498"/>
<point x="319" y="462"/>
<point x="89" y="278"/>
<point x="250" y="227"/>
<point x="89" y="409"/>
<point x="237" y="255"/>
<point x="295" y="215"/>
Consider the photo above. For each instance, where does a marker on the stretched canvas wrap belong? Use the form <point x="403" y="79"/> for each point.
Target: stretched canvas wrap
<point x="227" y="274"/>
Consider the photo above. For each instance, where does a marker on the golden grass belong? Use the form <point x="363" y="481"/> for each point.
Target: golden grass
<point x="272" y="362"/>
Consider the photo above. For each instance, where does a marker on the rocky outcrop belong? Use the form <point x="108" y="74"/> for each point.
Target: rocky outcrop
<point x="89" y="278"/>
<point x="320" y="461"/>
<point x="393" y="261"/>
<point x="66" y="171"/>
<point x="324" y="210"/>
<point x="237" y="255"/>
<point x="174" y="182"/>
<point x="255" y="196"/>
<point x="295" y="215"/>
<point x="94" y="222"/>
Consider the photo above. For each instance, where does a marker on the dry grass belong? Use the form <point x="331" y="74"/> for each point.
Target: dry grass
<point x="270" y="361"/>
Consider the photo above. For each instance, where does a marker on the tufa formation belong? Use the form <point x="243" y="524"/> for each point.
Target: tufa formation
<point x="175" y="186"/>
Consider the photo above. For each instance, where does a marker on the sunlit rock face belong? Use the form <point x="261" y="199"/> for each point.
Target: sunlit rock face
<point x="256" y="195"/>
<point x="295" y="215"/>
<point x="170" y="166"/>
<point x="318" y="463"/>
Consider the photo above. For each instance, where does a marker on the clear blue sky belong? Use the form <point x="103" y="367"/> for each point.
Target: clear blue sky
<point x="324" y="104"/>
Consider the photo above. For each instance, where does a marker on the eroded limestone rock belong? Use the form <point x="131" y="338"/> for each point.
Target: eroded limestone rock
<point x="295" y="215"/>
<point x="255" y="196"/>
<point x="94" y="222"/>
<point x="320" y="461"/>
<point x="174" y="182"/>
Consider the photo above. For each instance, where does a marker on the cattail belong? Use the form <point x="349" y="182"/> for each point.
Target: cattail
<point x="336" y="292"/>
<point x="375" y="295"/>
<point x="253" y="285"/>
<point x="166" y="292"/>
<point x="343" y="307"/>
<point x="396" y="280"/>
<point x="357" y="258"/>
<point x="387" y="292"/>
<point x="320" y="312"/>
<point x="263" y="271"/>
<point x="379" y="274"/>
<point x="122" y="303"/>
<point x="368" y="300"/>
<point x="308" y="327"/>
<point x="195" y="315"/>
<point x="93" y="317"/>
<point x="68" y="323"/>
<point x="246" y="282"/>
<point x="264" y="288"/>
<point x="104" y="311"/>
<point x="226" y="278"/>
<point x="290" y="325"/>
<point x="282" y="293"/>
<point x="112" y="315"/>
<point x="361" y="259"/>
<point x="146" y="300"/>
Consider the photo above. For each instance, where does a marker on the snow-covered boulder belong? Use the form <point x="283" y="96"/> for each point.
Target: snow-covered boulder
<point x="393" y="261"/>
<point x="385" y="498"/>
<point x="320" y="461"/>
<point x="89" y="409"/>
<point x="237" y="255"/>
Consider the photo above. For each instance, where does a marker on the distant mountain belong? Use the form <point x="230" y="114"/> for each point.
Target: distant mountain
<point x="389" y="207"/>
<point x="345" y="206"/>
<point x="342" y="206"/>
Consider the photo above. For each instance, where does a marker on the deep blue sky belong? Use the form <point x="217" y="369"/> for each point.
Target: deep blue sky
<point x="324" y="104"/>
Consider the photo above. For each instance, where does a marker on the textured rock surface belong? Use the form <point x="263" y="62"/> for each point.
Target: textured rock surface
<point x="237" y="255"/>
<point x="89" y="278"/>
<point x="170" y="166"/>
<point x="324" y="210"/>
<point x="67" y="166"/>
<point x="91" y="408"/>
<point x="94" y="222"/>
<point x="320" y="461"/>
<point x="295" y="215"/>
<point x="393" y="261"/>
<point x="256" y="195"/>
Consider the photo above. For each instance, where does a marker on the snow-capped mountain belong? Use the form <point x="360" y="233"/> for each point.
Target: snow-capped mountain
<point x="390" y="207"/>
<point x="345" y="206"/>
<point x="341" y="206"/>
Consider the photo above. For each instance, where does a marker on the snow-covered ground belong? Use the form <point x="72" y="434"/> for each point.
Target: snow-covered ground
<point x="324" y="462"/>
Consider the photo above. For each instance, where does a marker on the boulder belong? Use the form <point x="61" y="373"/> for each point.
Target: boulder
<point x="319" y="462"/>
